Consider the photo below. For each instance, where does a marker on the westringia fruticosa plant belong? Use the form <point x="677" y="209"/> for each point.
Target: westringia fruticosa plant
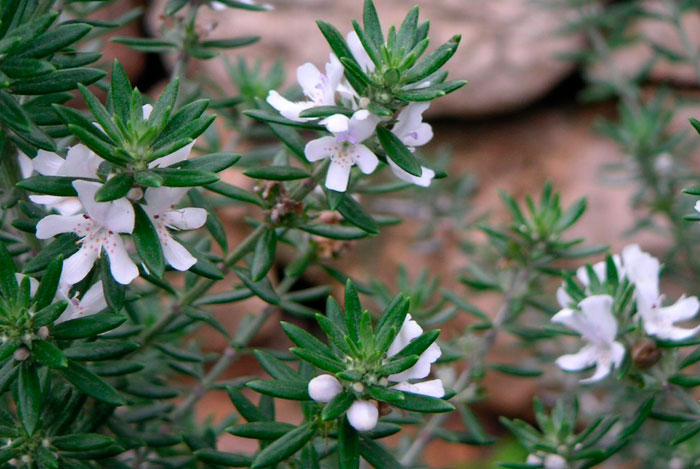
<point x="110" y="244"/>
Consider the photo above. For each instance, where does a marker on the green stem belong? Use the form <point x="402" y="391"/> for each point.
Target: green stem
<point x="426" y="434"/>
<point x="230" y="355"/>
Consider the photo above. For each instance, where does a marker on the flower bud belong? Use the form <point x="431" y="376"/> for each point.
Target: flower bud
<point x="43" y="332"/>
<point x="324" y="388"/>
<point x="21" y="354"/>
<point x="645" y="353"/>
<point x="363" y="415"/>
<point x="554" y="461"/>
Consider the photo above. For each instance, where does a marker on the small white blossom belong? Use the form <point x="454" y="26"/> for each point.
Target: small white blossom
<point x="643" y="270"/>
<point x="363" y="415"/>
<point x="159" y="207"/>
<point x="345" y="147"/>
<point x="596" y="323"/>
<point x="93" y="301"/>
<point x="550" y="461"/>
<point x="80" y="162"/>
<point x="413" y="132"/>
<point x="409" y="331"/>
<point x="320" y="89"/>
<point x="600" y="270"/>
<point x="324" y="388"/>
<point x="99" y="229"/>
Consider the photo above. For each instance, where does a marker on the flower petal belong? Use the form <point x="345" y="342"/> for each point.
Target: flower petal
<point x="599" y="325"/>
<point x="365" y="159"/>
<point x="287" y="108"/>
<point x="175" y="157"/>
<point x="337" y="177"/>
<point x="93" y="301"/>
<point x="117" y="215"/>
<point x="409" y="119"/>
<point x="310" y="79"/>
<point x="424" y="180"/>
<point x="160" y="199"/>
<point x="681" y="310"/>
<point x="176" y="255"/>
<point x="563" y="298"/>
<point x="51" y="225"/>
<point x="362" y="125"/>
<point x="77" y="266"/>
<point x="432" y="388"/>
<point x="47" y="163"/>
<point x="320" y="148"/>
<point x="578" y="361"/>
<point x="363" y="415"/>
<point x="359" y="52"/>
<point x="146" y="110"/>
<point x="121" y="266"/>
<point x="337" y="123"/>
<point x="410" y="329"/>
<point x="189" y="218"/>
<point x="422" y="367"/>
<point x="80" y="162"/>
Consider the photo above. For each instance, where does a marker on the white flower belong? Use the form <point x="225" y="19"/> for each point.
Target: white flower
<point x="413" y="132"/>
<point x="363" y="415"/>
<point x="80" y="162"/>
<point x="159" y="207"/>
<point x="596" y="323"/>
<point x="359" y="52"/>
<point x="99" y="229"/>
<point x="26" y="168"/>
<point x="324" y="388"/>
<point x="93" y="301"/>
<point x="643" y="270"/>
<point x="409" y="331"/>
<point x="33" y="283"/>
<point x="432" y="388"/>
<point x="320" y="89"/>
<point x="550" y="461"/>
<point x="600" y="270"/>
<point x="345" y="148"/>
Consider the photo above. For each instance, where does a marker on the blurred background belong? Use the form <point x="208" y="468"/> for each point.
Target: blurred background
<point x="530" y="113"/>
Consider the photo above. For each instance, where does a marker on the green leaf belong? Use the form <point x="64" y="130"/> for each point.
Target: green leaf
<point x="305" y="340"/>
<point x="348" y="445"/>
<point x="515" y="370"/>
<point x="337" y="406"/>
<point x="431" y="92"/>
<point x="175" y="177"/>
<point x="284" y="447"/>
<point x="318" y="112"/>
<point x="420" y="403"/>
<point x="142" y="44"/>
<point x="230" y="43"/>
<point x="81" y="442"/>
<point x="114" y="292"/>
<point x="49" y="284"/>
<point x="377" y="456"/>
<point x="353" y="212"/>
<point x="335" y="231"/>
<point x="115" y="188"/>
<point x="264" y="255"/>
<point x="686" y="432"/>
<point x="147" y="242"/>
<point x="277" y="173"/>
<point x="60" y="80"/>
<point x="87" y="326"/>
<point x="49" y="185"/>
<point x="91" y="384"/>
<point x="235" y="193"/>
<point x="275" y="367"/>
<point x="372" y="26"/>
<point x="244" y="407"/>
<point x="261" y="430"/>
<point x="322" y="361"/>
<point x="275" y="118"/>
<point x="8" y="281"/>
<point x="213" y="162"/>
<point x="29" y="397"/>
<point x="99" y="350"/>
<point x="48" y="354"/>
<point x="294" y="390"/>
<point x="398" y="152"/>
<point x="433" y="61"/>
<point x="222" y="458"/>
<point x="13" y="115"/>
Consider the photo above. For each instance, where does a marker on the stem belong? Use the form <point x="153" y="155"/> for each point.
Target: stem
<point x="425" y="435"/>
<point x="180" y="67"/>
<point x="691" y="51"/>
<point x="230" y="355"/>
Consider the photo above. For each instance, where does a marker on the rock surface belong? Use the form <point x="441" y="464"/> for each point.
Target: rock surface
<point x="508" y="51"/>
